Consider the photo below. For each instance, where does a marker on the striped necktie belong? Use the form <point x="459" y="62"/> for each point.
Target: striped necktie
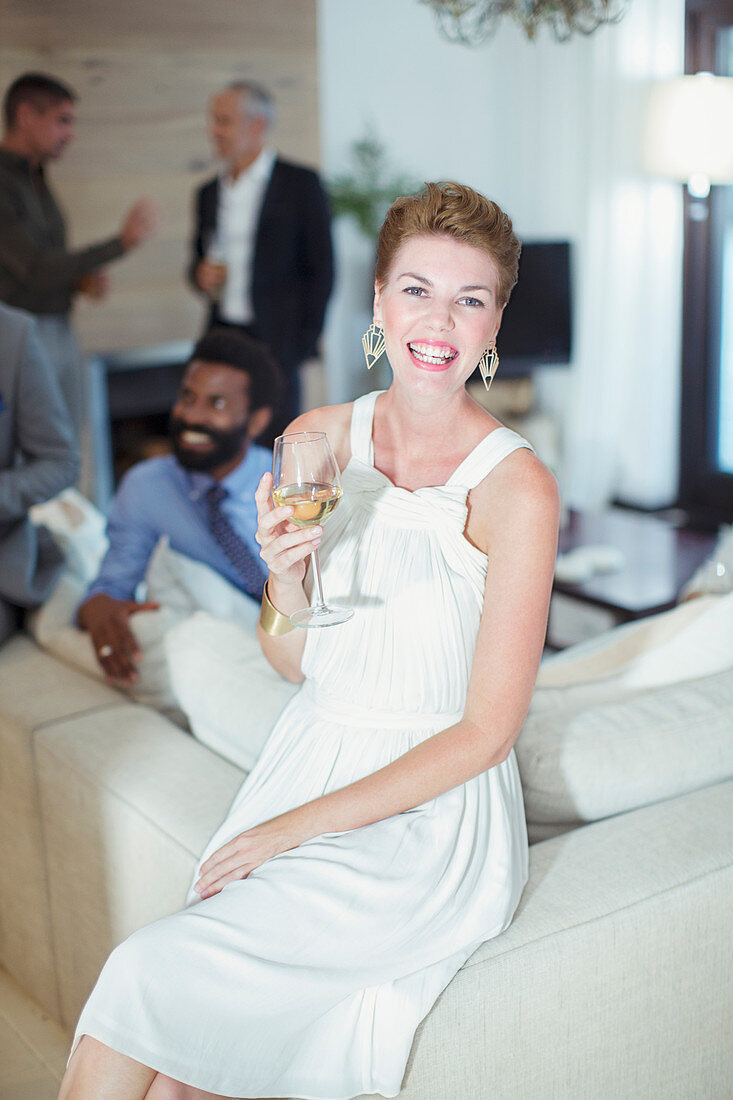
<point x="250" y="568"/>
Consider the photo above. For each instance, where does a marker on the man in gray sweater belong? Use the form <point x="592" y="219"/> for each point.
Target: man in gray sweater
<point x="38" y="272"/>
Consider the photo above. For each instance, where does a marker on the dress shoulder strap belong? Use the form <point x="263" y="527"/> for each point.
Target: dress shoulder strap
<point x="362" y="418"/>
<point x="487" y="454"/>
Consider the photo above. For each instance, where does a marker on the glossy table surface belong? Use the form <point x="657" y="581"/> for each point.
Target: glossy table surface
<point x="659" y="559"/>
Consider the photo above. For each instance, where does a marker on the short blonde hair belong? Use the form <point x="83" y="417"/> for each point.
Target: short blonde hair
<point x="452" y="210"/>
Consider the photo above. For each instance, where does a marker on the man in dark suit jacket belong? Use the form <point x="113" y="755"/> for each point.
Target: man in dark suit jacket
<point x="38" y="459"/>
<point x="262" y="247"/>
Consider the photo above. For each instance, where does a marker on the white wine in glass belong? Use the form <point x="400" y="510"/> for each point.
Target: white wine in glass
<point x="305" y="476"/>
<point x="216" y="255"/>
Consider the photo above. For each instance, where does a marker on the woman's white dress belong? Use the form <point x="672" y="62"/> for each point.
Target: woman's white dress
<point x="309" y="978"/>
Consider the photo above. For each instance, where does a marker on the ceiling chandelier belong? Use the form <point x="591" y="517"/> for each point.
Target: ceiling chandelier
<point x="473" y="21"/>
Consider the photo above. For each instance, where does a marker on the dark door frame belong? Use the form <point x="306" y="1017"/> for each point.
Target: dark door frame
<point x="705" y="492"/>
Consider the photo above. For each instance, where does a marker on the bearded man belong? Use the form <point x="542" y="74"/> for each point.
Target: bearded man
<point x="201" y="498"/>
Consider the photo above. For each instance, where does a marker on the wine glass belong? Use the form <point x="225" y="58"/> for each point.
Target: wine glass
<point x="305" y="477"/>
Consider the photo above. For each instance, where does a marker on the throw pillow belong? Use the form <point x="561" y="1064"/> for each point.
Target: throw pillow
<point x="180" y="585"/>
<point x="230" y="694"/>
<point x="612" y="757"/>
<point x="185" y="586"/>
<point x="52" y="626"/>
<point x="77" y="528"/>
<point x="690" y="641"/>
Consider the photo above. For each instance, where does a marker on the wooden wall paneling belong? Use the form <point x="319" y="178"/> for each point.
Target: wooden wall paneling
<point x="144" y="74"/>
<point x="262" y="24"/>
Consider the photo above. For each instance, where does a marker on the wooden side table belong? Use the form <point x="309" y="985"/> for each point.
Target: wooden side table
<point x="659" y="559"/>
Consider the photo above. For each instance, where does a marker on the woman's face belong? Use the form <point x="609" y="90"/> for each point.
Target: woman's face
<point x="439" y="311"/>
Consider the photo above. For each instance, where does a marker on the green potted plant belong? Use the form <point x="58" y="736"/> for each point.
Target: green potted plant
<point x="366" y="192"/>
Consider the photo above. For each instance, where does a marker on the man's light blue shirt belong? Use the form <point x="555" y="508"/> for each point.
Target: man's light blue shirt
<point x="158" y="497"/>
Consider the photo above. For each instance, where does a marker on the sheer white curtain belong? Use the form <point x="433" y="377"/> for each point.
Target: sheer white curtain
<point x="621" y="426"/>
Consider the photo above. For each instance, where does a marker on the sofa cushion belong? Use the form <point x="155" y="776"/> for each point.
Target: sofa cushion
<point x="228" y="691"/>
<point x="612" y="981"/>
<point x="35" y="688"/>
<point x="579" y="766"/>
<point x="140" y="758"/>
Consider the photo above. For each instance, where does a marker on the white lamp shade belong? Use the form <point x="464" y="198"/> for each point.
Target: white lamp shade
<point x="689" y="128"/>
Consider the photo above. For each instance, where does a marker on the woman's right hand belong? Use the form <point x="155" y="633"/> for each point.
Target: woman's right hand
<point x="285" y="547"/>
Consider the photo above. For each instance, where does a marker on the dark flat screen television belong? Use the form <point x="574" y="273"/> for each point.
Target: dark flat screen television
<point x="537" y="323"/>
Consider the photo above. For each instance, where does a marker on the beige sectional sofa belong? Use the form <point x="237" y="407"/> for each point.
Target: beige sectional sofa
<point x="614" y="981"/>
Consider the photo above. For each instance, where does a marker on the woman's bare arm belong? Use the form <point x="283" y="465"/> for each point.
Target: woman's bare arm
<point x="521" y="547"/>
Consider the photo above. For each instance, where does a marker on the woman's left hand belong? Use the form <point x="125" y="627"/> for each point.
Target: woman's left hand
<point x="237" y="859"/>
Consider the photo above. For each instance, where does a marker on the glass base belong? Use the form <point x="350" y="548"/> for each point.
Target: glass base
<point x="321" y="616"/>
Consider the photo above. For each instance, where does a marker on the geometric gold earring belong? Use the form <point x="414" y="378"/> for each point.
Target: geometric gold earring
<point x="373" y="344"/>
<point x="488" y="365"/>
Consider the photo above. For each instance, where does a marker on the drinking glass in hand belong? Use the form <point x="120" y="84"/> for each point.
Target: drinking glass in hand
<point x="305" y="477"/>
<point x="216" y="256"/>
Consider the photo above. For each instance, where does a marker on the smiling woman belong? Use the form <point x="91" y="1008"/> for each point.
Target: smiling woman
<point x="380" y="838"/>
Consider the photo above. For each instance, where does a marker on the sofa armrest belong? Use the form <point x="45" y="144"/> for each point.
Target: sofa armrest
<point x="35" y="690"/>
<point x="128" y="801"/>
<point x="615" y="978"/>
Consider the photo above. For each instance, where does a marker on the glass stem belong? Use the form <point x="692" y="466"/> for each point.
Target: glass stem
<point x="320" y="602"/>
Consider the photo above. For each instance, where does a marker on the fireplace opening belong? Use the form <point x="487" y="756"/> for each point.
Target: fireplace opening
<point x="130" y="395"/>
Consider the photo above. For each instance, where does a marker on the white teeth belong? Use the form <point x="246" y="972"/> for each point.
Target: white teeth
<point x="195" y="437"/>
<point x="428" y="354"/>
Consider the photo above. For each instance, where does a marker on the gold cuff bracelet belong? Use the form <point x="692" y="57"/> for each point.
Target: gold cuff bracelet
<point x="272" y="621"/>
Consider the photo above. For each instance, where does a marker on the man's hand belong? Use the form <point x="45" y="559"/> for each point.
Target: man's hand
<point x="116" y="646"/>
<point x="141" y="222"/>
<point x="210" y="277"/>
<point x="95" y="285"/>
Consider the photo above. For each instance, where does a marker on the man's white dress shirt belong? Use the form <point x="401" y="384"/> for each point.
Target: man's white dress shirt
<point x="240" y="203"/>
